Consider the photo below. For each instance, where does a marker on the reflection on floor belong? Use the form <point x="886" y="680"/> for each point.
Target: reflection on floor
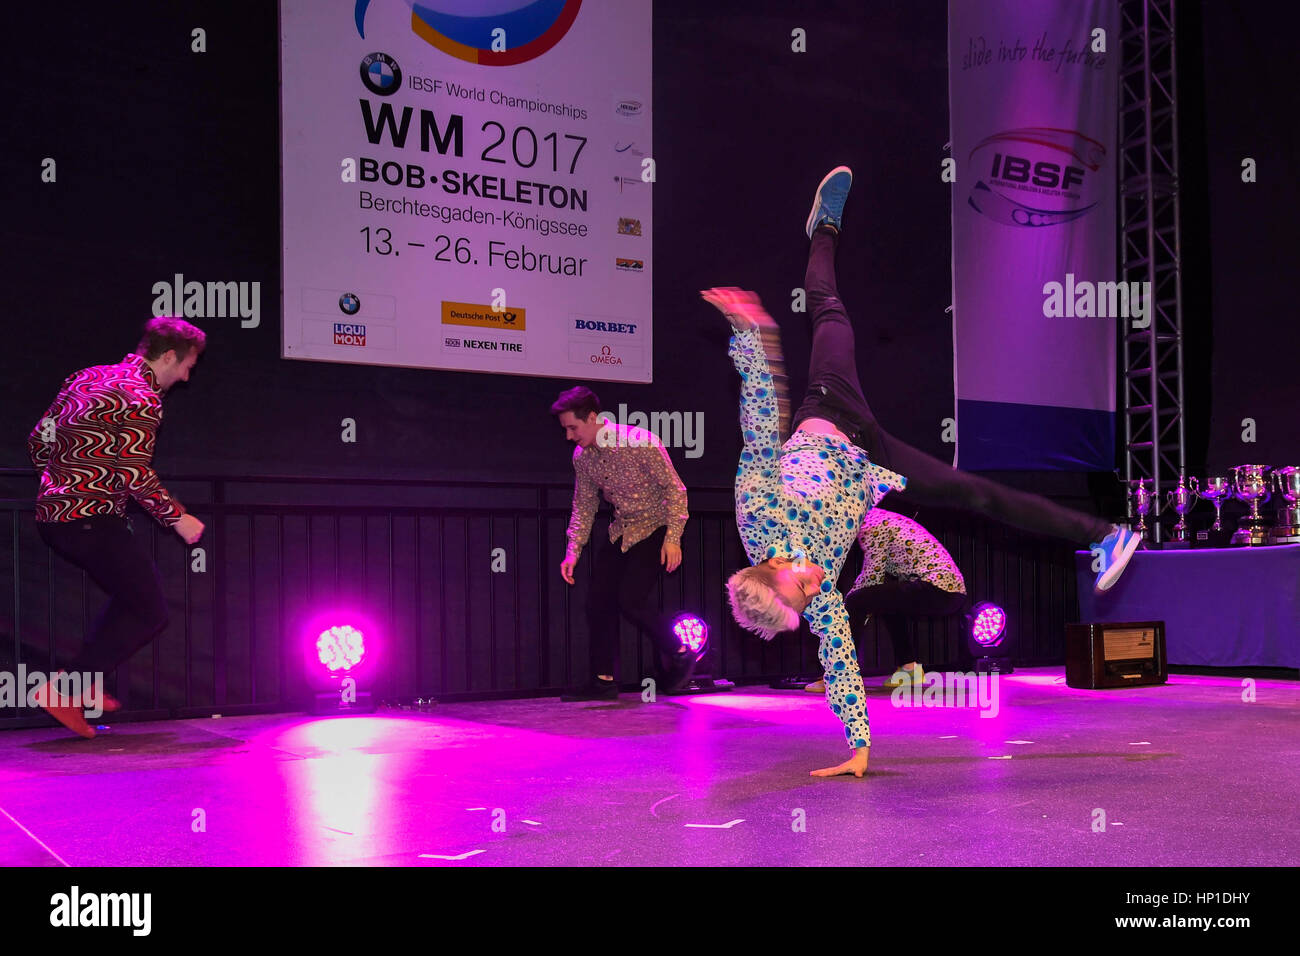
<point x="1185" y="774"/>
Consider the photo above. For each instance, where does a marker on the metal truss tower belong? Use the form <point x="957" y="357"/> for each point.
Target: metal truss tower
<point x="1154" y="434"/>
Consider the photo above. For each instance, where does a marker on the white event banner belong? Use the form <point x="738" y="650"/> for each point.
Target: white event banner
<point x="467" y="185"/>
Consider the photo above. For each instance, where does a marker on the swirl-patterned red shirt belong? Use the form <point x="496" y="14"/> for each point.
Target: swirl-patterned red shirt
<point x="94" y="445"/>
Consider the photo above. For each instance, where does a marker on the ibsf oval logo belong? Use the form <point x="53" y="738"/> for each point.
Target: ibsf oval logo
<point x="628" y="108"/>
<point x="1036" y="176"/>
<point x="381" y="74"/>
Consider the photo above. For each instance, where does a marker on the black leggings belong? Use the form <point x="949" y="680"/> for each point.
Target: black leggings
<point x="622" y="582"/>
<point x="895" y="601"/>
<point x="834" y="393"/>
<point x="106" y="549"/>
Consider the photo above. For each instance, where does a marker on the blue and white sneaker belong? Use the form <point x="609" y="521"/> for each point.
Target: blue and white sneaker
<point x="828" y="204"/>
<point x="1116" y="550"/>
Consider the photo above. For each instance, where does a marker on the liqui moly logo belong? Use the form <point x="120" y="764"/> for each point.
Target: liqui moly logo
<point x="349" y="333"/>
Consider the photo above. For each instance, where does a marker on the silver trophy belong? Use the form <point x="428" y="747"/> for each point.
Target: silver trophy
<point x="1182" y="499"/>
<point x="1141" y="498"/>
<point x="1250" y="485"/>
<point x="1216" y="489"/>
<point x="1286" y="482"/>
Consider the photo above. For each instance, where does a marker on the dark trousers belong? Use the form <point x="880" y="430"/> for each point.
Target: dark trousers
<point x="622" y="584"/>
<point x="894" y="602"/>
<point x="834" y="393"/>
<point x="117" y="561"/>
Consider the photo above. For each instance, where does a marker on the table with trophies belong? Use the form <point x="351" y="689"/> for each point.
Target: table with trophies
<point x="1229" y="597"/>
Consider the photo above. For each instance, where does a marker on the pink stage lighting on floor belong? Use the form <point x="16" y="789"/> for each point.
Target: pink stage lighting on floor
<point x="692" y="632"/>
<point x="988" y="624"/>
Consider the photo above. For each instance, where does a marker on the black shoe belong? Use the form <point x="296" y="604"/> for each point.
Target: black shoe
<point x="597" y="690"/>
<point x="677" y="672"/>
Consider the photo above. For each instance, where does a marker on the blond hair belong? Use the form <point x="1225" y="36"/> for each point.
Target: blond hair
<point x="757" y="606"/>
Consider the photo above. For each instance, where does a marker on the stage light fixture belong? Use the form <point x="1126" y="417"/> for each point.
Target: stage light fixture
<point x="340" y="650"/>
<point x="986" y="625"/>
<point x="692" y="633"/>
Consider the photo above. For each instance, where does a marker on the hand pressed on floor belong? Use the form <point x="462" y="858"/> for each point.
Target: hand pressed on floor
<point x="856" y="765"/>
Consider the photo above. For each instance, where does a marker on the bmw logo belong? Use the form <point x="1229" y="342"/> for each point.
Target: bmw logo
<point x="349" y="303"/>
<point x="381" y="74"/>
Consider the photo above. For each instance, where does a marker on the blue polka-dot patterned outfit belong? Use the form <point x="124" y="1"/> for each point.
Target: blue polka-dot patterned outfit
<point x="806" y="499"/>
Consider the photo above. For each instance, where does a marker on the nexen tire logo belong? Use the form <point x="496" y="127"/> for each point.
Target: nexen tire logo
<point x="1036" y="176"/>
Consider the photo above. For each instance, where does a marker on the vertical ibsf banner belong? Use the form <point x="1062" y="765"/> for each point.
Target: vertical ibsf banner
<point x="1034" y="101"/>
<point x="467" y="185"/>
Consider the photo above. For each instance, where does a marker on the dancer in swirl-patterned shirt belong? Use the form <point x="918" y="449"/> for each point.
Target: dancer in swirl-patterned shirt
<point x="94" y="448"/>
<point x="800" y="502"/>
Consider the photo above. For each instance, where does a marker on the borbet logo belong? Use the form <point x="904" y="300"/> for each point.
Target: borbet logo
<point x="592" y="325"/>
<point x="349" y="333"/>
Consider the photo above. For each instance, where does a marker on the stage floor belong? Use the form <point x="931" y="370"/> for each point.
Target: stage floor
<point x="1183" y="774"/>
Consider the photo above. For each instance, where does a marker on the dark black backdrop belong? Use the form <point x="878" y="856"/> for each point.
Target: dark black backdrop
<point x="1251" y="111"/>
<point x="168" y="162"/>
